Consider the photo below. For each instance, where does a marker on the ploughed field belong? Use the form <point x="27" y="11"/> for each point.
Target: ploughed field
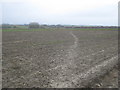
<point x="57" y="57"/>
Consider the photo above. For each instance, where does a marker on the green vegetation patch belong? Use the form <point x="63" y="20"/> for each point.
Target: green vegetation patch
<point x="95" y="29"/>
<point x="46" y="29"/>
<point x="9" y="30"/>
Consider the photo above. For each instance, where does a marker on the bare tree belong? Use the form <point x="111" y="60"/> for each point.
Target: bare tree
<point x="6" y="26"/>
<point x="34" y="25"/>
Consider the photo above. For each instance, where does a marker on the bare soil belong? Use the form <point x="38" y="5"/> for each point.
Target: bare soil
<point x="55" y="58"/>
<point x="110" y="80"/>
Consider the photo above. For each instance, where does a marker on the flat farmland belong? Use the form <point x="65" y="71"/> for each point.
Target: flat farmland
<point x="57" y="57"/>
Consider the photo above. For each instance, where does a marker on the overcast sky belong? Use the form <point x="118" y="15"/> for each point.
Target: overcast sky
<point x="74" y="12"/>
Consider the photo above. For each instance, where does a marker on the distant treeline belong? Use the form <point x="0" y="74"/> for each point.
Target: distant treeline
<point x="34" y="25"/>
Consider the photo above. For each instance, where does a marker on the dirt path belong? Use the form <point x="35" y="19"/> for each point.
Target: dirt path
<point x="66" y="78"/>
<point x="65" y="73"/>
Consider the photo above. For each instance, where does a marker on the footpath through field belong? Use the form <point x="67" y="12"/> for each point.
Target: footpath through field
<point x="68" y="79"/>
